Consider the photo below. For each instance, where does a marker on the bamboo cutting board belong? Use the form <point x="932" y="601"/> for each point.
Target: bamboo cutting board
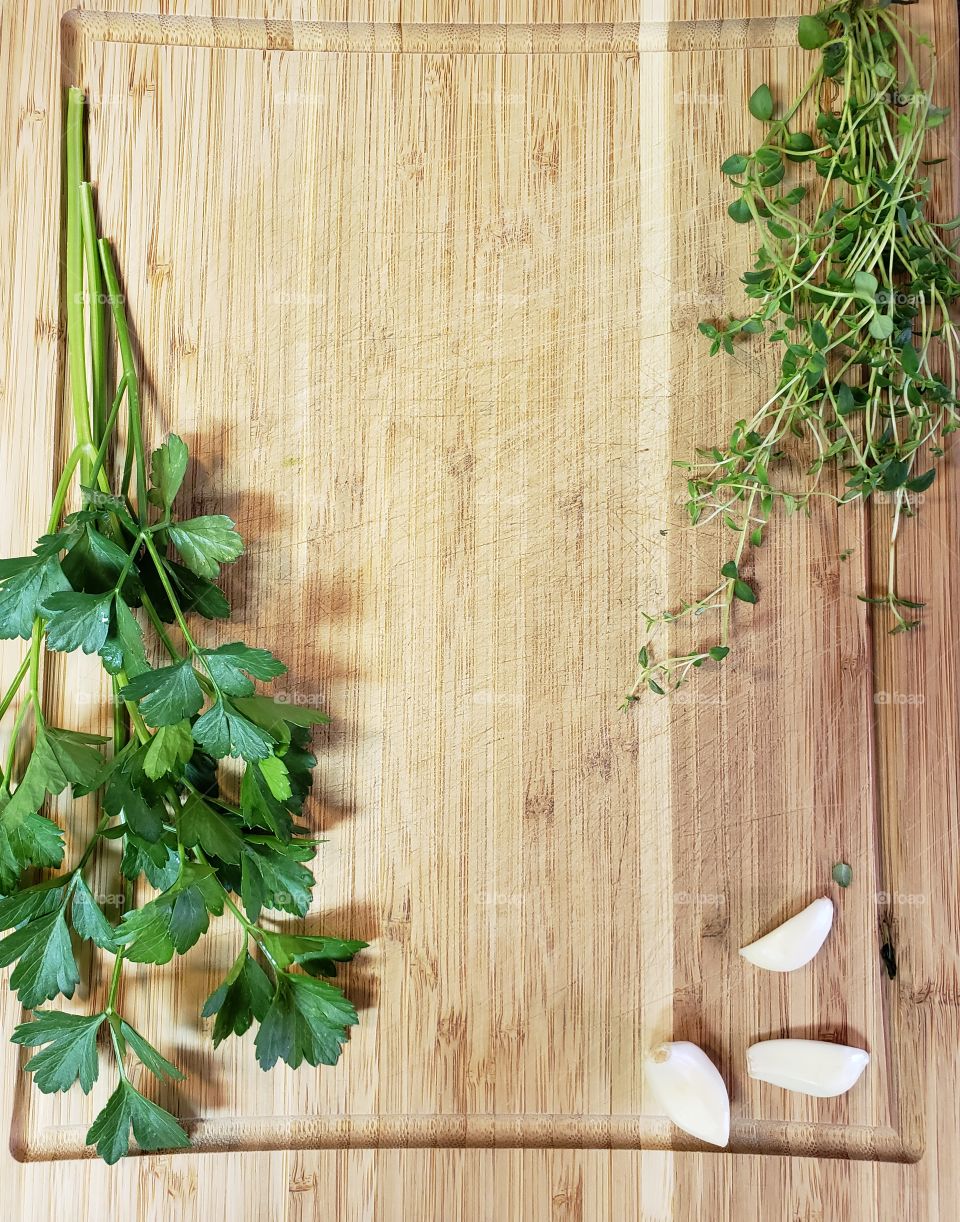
<point x="423" y="302"/>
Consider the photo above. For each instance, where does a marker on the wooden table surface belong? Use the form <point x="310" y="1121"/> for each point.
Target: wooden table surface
<point x="492" y="1184"/>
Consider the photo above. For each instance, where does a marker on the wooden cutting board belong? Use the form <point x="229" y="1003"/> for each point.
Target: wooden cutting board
<point x="423" y="302"/>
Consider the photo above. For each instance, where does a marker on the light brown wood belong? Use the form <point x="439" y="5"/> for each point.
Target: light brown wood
<point x="577" y="1184"/>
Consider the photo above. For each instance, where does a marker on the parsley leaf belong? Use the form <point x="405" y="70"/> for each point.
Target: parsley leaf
<point x="274" y="715"/>
<point x="59" y="758"/>
<point x="77" y="621"/>
<point x="160" y="862"/>
<point x="43" y="775"/>
<point x="230" y="666"/>
<point x="222" y="731"/>
<point x="95" y="562"/>
<point x="200" y="824"/>
<point x="87" y="918"/>
<point x="78" y="756"/>
<point x="167" y="694"/>
<point x="123" y="649"/>
<point x="205" y="543"/>
<point x="26" y="839"/>
<point x="99" y="504"/>
<point x="274" y="772"/>
<point x="31" y="902"/>
<point x="313" y="952"/>
<point x="170" y="747"/>
<point x="174" y="921"/>
<point x="154" y="1128"/>
<point x="71" y="1052"/>
<point x="26" y="582"/>
<point x="198" y="594"/>
<point x="274" y="879"/>
<point x="46" y="964"/>
<point x="299" y="762"/>
<point x="260" y="807"/>
<point x="168" y="465"/>
<point x="245" y="995"/>
<point x="142" y="812"/>
<point x="158" y="1065"/>
<point x="307" y="1021"/>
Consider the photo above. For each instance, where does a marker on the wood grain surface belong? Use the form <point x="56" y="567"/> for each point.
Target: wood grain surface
<point x="445" y="514"/>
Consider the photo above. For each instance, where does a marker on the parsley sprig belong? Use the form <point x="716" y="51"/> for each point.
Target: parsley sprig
<point x="855" y="281"/>
<point x="97" y="578"/>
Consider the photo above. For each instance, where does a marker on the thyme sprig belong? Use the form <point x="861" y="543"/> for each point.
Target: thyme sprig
<point x="855" y="282"/>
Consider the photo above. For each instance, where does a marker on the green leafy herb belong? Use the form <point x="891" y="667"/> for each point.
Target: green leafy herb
<point x="761" y="103"/>
<point x="243" y="997"/>
<point x="126" y="563"/>
<point x="70" y="1054"/>
<point x="854" y="279"/>
<point x="153" y="1127"/>
<point x="43" y="954"/>
<point x="206" y="543"/>
<point x="307" y="1020"/>
<point x="166" y="695"/>
<point x="842" y="874"/>
<point x="812" y="33"/>
<point x="147" y="1055"/>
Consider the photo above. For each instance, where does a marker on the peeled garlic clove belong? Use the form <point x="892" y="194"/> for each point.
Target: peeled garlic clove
<point x="688" y="1087"/>
<point x="795" y="942"/>
<point x="812" y="1067"/>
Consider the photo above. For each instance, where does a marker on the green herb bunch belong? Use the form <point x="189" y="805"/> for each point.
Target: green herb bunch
<point x="856" y="282"/>
<point x="164" y="801"/>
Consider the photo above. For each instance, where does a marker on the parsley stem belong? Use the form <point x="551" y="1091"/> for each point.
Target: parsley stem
<point x="36" y="643"/>
<point x="14" y="736"/>
<point x="98" y="321"/>
<point x="108" y="428"/>
<point x="63" y="485"/>
<point x="129" y="372"/>
<point x="14" y="687"/>
<point x="136" y="717"/>
<point x="169" y="591"/>
<point x="5" y="704"/>
<point x="110" y="1007"/>
<point x="160" y="627"/>
<point x="87" y="853"/>
<point x="74" y="274"/>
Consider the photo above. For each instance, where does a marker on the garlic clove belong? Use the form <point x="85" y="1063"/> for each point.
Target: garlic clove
<point x="811" y="1067"/>
<point x="688" y="1086"/>
<point x="795" y="942"/>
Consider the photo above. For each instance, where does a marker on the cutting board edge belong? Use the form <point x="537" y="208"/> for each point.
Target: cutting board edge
<point x="788" y="1139"/>
<point x="387" y="38"/>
